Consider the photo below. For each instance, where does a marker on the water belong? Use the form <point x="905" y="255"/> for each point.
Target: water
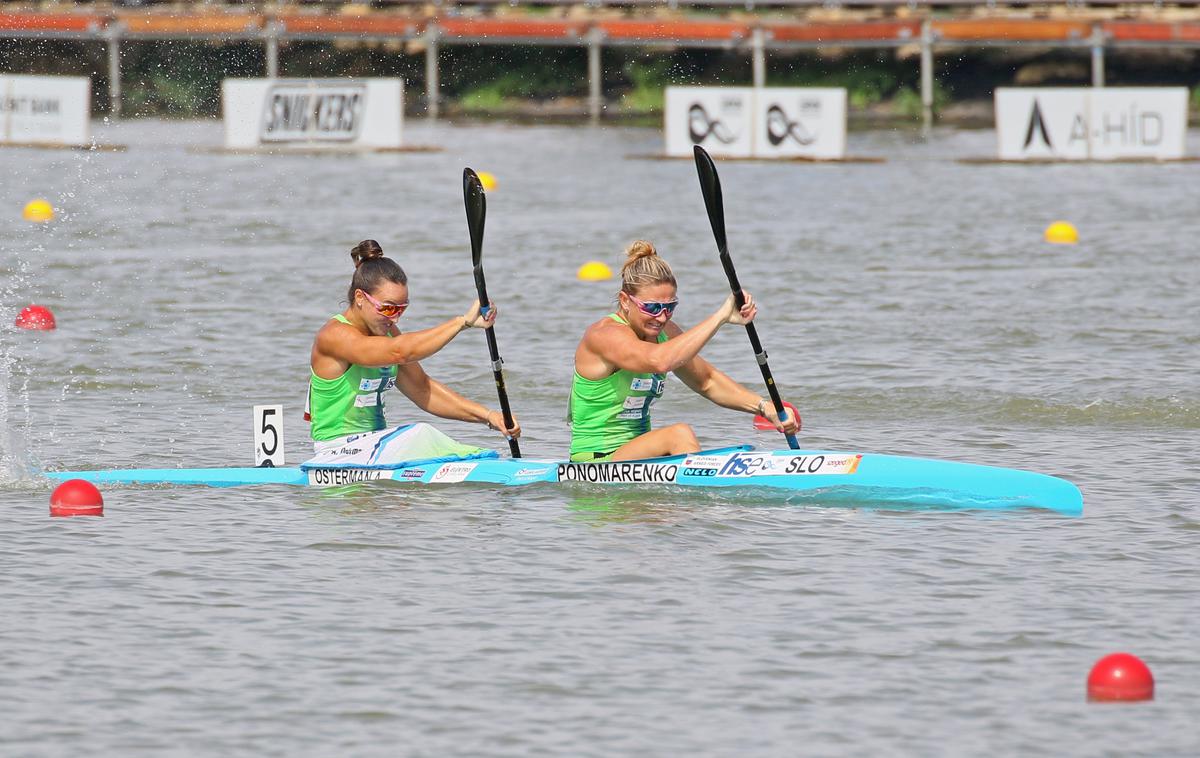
<point x="909" y="307"/>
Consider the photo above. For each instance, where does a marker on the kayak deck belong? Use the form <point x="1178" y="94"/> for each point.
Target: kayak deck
<point x="861" y="478"/>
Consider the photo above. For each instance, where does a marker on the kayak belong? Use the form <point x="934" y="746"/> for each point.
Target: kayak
<point x="816" y="475"/>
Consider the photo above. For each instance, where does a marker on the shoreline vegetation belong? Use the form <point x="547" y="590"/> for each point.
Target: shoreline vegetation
<point x="182" y="79"/>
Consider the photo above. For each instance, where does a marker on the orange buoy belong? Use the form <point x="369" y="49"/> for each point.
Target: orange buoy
<point x="76" y="497"/>
<point x="1120" y="676"/>
<point x="35" y="317"/>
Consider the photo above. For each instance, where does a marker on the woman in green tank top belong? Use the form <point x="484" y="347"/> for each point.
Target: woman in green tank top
<point x="360" y="354"/>
<point x="623" y="359"/>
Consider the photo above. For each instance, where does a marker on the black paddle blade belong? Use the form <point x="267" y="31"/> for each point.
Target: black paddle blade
<point x="710" y="185"/>
<point x="476" y="203"/>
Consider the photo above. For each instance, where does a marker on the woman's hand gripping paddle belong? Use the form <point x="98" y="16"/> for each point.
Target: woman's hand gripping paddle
<point x="476" y="213"/>
<point x="710" y="185"/>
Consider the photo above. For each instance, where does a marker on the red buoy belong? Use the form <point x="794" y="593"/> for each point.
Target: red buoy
<point x="1120" y="676"/>
<point x="761" y="423"/>
<point x="35" y="317"/>
<point x="76" y="497"/>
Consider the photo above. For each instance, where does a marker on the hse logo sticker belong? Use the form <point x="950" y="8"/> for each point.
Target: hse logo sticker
<point x="452" y="472"/>
<point x="618" y="473"/>
<point x="785" y="464"/>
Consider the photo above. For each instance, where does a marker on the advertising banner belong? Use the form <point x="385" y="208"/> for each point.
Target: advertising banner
<point x="45" y="110"/>
<point x="800" y="122"/>
<point x="305" y="113"/>
<point x="719" y="119"/>
<point x="1085" y="123"/>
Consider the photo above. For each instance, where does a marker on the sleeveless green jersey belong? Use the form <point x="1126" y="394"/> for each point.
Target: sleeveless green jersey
<point x="606" y="413"/>
<point x="350" y="404"/>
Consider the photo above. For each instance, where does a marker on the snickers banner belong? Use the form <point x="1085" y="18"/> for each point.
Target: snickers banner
<point x="1091" y="123"/>
<point x="306" y="113"/>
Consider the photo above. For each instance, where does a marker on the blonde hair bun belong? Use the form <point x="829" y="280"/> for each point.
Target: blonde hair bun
<point x="644" y="267"/>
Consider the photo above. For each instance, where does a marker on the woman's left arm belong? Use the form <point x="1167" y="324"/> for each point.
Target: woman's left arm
<point x="433" y="397"/>
<point x="706" y="380"/>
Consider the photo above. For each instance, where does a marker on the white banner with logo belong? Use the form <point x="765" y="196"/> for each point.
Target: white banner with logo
<point x="328" y="113"/>
<point x="719" y="119"/>
<point x="47" y="110"/>
<point x="1084" y="123"/>
<point x="800" y="122"/>
<point x="742" y="122"/>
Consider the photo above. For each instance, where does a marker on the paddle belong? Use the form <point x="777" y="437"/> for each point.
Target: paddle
<point x="710" y="185"/>
<point x="476" y="212"/>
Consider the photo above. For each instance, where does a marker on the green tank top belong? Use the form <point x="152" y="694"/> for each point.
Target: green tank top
<point x="606" y="413"/>
<point x="350" y="404"/>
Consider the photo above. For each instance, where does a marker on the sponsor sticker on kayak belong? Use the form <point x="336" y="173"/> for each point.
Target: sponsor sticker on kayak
<point x="452" y="472"/>
<point x="752" y="464"/>
<point x="618" y="473"/>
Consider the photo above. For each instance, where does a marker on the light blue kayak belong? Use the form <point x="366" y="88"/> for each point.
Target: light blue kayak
<point x="822" y="476"/>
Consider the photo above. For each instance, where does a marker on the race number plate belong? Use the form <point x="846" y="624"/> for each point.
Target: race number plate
<point x="268" y="435"/>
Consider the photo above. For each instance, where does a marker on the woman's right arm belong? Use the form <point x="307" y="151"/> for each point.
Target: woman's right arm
<point x="621" y="348"/>
<point x="345" y="343"/>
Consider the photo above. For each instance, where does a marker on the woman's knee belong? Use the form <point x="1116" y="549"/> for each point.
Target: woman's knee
<point x="682" y="435"/>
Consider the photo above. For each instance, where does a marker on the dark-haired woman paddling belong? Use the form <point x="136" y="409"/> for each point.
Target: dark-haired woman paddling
<point x="360" y="354"/>
<point x="622" y="361"/>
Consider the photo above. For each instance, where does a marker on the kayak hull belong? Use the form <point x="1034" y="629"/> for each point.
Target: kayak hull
<point x="858" y="478"/>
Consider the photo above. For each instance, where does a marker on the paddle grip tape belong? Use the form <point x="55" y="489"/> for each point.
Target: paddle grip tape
<point x="497" y="364"/>
<point x="761" y="358"/>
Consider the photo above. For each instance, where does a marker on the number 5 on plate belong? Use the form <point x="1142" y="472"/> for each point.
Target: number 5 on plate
<point x="268" y="436"/>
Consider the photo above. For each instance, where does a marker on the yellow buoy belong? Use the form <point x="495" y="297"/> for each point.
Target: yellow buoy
<point x="487" y="180"/>
<point x="594" y="271"/>
<point x="39" y="211"/>
<point x="1062" y="233"/>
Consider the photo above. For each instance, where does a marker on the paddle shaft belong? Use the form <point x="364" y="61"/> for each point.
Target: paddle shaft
<point x="497" y="362"/>
<point x="710" y="185"/>
<point x="476" y="205"/>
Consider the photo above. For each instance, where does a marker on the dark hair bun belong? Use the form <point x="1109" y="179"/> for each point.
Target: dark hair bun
<point x="365" y="251"/>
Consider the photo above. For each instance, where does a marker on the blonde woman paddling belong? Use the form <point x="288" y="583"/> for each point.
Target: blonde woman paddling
<point x="622" y="361"/>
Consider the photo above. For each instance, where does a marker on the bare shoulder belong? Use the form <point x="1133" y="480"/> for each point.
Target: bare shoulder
<point x="606" y="331"/>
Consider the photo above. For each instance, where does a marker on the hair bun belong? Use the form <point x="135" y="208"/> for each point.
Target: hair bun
<point x="639" y="249"/>
<point x="365" y="251"/>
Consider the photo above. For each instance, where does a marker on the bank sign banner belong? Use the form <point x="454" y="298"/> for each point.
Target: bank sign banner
<point x="45" y="110"/>
<point x="742" y="122"/>
<point x="1086" y="123"/>
<point x="330" y="113"/>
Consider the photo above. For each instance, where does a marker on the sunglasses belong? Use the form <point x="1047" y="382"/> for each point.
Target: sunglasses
<point x="654" y="309"/>
<point x="387" y="310"/>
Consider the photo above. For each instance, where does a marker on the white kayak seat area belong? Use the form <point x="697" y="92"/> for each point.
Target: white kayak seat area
<point x="394" y="448"/>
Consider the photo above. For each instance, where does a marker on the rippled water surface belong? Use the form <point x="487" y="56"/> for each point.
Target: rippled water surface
<point x="909" y="307"/>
